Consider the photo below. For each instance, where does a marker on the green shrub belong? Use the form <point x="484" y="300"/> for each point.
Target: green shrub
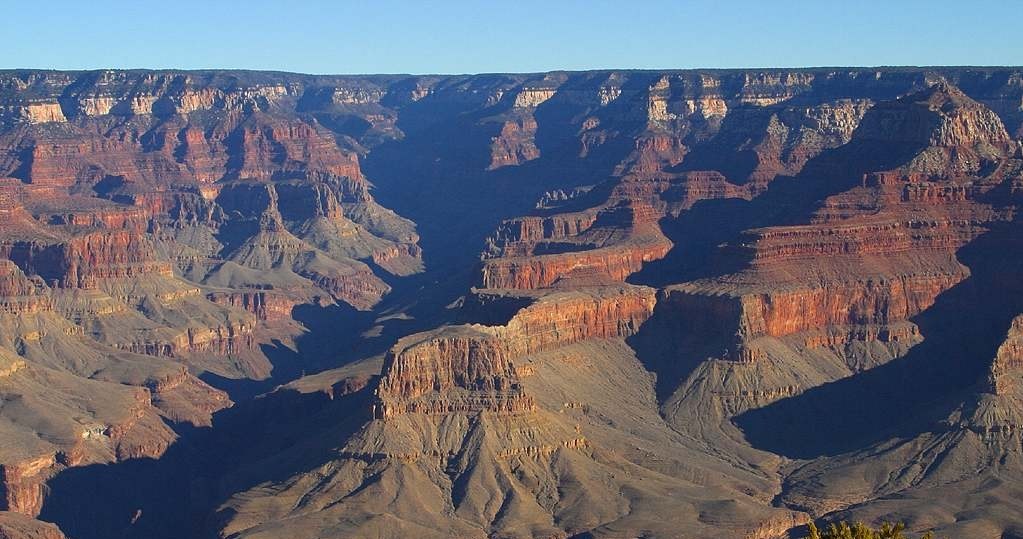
<point x="843" y="530"/>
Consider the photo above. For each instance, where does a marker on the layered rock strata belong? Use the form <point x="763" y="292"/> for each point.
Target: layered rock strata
<point x="472" y="368"/>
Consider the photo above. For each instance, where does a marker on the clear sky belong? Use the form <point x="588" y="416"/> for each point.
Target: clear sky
<point x="463" y="36"/>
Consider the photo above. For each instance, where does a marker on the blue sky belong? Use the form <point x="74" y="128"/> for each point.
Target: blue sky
<point x="462" y="36"/>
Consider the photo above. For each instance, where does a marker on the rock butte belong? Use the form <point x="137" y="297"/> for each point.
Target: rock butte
<point x="682" y="303"/>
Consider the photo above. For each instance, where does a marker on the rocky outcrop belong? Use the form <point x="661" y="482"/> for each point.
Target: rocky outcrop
<point x="610" y="242"/>
<point x="264" y="146"/>
<point x="877" y="306"/>
<point x="520" y="236"/>
<point x="18" y="526"/>
<point x="266" y="305"/>
<point x="542" y="271"/>
<point x="19" y="295"/>
<point x="134" y="431"/>
<point x="471" y="368"/>
<point x="966" y="138"/>
<point x="319" y="229"/>
<point x="778" y="245"/>
<point x="514" y="145"/>
<point x="42" y="112"/>
<point x="1008" y="364"/>
<point x="84" y="261"/>
<point x="476" y="363"/>
<point x="529" y="97"/>
<point x="563" y="318"/>
<point x="21" y="487"/>
<point x="222" y="341"/>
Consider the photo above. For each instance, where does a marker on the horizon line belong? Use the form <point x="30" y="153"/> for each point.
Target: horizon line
<point x="484" y="73"/>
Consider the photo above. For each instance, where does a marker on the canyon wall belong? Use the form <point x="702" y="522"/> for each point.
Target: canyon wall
<point x="784" y="232"/>
<point x="480" y="360"/>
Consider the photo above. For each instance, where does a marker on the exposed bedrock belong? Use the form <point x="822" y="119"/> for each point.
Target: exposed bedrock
<point x="84" y="261"/>
<point x="479" y="360"/>
<point x="18" y="526"/>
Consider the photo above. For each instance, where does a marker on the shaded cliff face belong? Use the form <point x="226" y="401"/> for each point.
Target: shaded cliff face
<point x="795" y="239"/>
<point x="18" y="526"/>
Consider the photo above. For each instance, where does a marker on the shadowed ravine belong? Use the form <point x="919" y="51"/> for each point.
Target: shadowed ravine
<point x="915" y="393"/>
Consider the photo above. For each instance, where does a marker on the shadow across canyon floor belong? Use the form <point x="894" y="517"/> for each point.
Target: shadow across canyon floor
<point x="917" y="392"/>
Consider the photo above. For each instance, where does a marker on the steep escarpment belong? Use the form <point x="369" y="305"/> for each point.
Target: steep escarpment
<point x="267" y="306"/>
<point x="1005" y="368"/>
<point x="480" y="359"/>
<point x="17" y="526"/>
<point x="612" y="241"/>
<point x="85" y="260"/>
